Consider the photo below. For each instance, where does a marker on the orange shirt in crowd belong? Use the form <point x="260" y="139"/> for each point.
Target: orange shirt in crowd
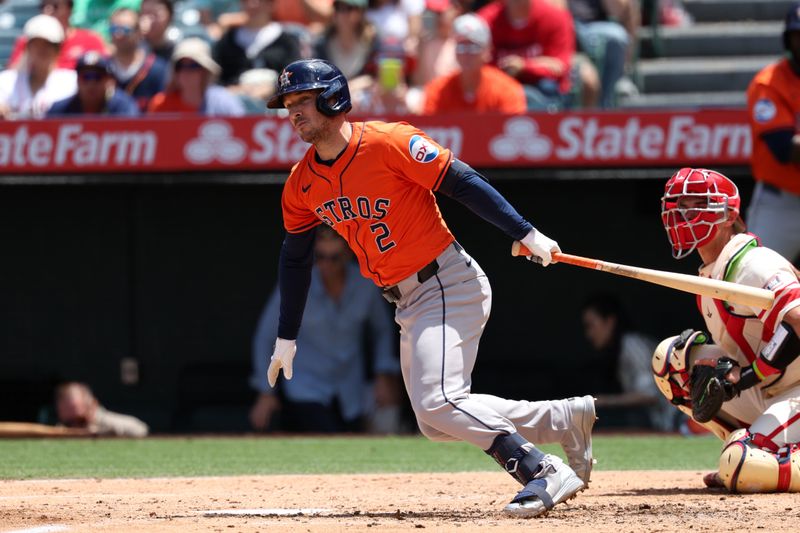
<point x="169" y="102"/>
<point x="290" y="11"/>
<point x="497" y="92"/>
<point x="773" y="102"/>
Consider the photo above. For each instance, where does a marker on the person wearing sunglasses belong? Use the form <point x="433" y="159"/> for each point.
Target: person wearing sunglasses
<point x="345" y="319"/>
<point x="476" y="85"/>
<point x="96" y="14"/>
<point x="97" y="93"/>
<point x="138" y="71"/>
<point x="191" y="87"/>
<point x="29" y="89"/>
<point x="77" y="41"/>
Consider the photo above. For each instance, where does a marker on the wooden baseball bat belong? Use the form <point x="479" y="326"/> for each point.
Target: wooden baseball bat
<point x="713" y="288"/>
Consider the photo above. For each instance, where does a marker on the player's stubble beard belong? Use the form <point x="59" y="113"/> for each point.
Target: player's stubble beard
<point x="317" y="133"/>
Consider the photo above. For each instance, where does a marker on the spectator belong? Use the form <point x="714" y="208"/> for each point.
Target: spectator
<point x="476" y="86"/>
<point x="350" y="41"/>
<point x="97" y="91"/>
<point x="437" y="50"/>
<point x="606" y="41"/>
<point x="534" y="42"/>
<point x="329" y="387"/>
<point x="314" y="14"/>
<point x="76" y="407"/>
<point x="155" y="18"/>
<point x="29" y="90"/>
<point x="774" y="105"/>
<point x="77" y="41"/>
<point x="259" y="42"/>
<point x="626" y="363"/>
<point x="191" y="87"/>
<point x="138" y="72"/>
<point x="398" y="20"/>
<point x="96" y="14"/>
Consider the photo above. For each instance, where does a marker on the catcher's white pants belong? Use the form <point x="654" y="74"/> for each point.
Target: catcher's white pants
<point x="777" y="418"/>
<point x="441" y="322"/>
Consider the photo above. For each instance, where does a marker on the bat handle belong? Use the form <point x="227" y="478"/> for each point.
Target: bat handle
<point x="517" y="249"/>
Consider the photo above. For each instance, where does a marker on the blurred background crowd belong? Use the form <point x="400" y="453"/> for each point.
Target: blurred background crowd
<point x="222" y="57"/>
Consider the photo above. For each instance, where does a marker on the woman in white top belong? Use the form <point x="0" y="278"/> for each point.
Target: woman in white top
<point x="29" y="89"/>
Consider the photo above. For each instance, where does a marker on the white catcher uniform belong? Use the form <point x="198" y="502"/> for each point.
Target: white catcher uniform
<point x="761" y="426"/>
<point x="771" y="408"/>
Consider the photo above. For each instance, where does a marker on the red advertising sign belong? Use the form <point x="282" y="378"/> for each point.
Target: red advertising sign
<point x="579" y="140"/>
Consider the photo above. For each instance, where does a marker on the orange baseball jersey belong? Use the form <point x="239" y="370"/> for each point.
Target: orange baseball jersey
<point x="773" y="99"/>
<point x="378" y="196"/>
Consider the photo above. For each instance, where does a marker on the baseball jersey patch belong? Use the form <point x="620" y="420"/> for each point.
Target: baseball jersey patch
<point x="764" y="110"/>
<point x="781" y="278"/>
<point x="422" y="150"/>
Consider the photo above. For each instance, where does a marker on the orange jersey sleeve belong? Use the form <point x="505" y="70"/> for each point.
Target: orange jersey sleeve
<point x="773" y="103"/>
<point x="414" y="156"/>
<point x="378" y="196"/>
<point x="297" y="217"/>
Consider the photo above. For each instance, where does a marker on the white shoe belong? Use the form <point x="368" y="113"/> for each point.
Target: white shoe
<point x="554" y="483"/>
<point x="577" y="441"/>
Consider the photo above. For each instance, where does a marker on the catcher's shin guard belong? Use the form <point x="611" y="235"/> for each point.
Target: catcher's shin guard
<point x="744" y="467"/>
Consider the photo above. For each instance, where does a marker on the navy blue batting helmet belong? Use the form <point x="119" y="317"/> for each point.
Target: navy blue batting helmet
<point x="792" y="23"/>
<point x="311" y="74"/>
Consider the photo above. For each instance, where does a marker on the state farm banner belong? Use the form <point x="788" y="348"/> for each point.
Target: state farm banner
<point x="569" y="140"/>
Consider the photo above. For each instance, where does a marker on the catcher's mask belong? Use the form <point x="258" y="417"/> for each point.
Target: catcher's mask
<point x="695" y="202"/>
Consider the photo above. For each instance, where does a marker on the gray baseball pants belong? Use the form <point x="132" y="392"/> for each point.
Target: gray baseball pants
<point x="441" y="321"/>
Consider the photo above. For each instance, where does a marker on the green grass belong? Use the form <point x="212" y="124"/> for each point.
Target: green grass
<point x="208" y="456"/>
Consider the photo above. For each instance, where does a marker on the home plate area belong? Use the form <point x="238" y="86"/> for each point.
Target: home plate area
<point x="616" y="502"/>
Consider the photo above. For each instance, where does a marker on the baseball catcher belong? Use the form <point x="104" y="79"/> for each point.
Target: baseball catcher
<point x="745" y="386"/>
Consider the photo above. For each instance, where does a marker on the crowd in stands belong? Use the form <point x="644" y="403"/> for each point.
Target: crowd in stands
<point x="400" y="56"/>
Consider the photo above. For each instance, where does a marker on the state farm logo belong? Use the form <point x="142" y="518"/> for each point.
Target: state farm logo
<point x="215" y="142"/>
<point x="521" y="138"/>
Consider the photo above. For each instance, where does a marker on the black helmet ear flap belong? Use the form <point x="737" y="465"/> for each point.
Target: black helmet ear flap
<point x="335" y="90"/>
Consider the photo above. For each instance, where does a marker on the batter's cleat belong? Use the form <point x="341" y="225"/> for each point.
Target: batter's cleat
<point x="577" y="440"/>
<point x="554" y="483"/>
<point x="713" y="481"/>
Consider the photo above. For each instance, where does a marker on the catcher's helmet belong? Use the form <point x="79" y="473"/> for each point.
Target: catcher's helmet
<point x="690" y="227"/>
<point x="311" y="74"/>
<point x="792" y="23"/>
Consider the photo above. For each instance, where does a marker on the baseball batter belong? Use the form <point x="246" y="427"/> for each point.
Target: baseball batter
<point x="746" y="386"/>
<point x="373" y="183"/>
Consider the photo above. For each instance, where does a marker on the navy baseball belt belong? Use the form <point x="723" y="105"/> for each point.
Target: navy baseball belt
<point x="392" y="294"/>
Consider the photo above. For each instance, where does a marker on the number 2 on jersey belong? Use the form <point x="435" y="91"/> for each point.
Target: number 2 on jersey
<point x="381" y="239"/>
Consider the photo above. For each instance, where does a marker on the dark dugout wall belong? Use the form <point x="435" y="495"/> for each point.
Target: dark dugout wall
<point x="174" y="277"/>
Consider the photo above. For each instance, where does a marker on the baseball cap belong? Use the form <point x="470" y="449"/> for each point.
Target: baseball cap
<point x="473" y="29"/>
<point x="44" y="27"/>
<point x="93" y="59"/>
<point x="437" y="5"/>
<point x="199" y="51"/>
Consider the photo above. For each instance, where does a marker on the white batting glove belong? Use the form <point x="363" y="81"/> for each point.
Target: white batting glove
<point x="282" y="357"/>
<point x="541" y="246"/>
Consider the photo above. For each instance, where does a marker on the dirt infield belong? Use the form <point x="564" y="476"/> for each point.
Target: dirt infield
<point x="617" y="502"/>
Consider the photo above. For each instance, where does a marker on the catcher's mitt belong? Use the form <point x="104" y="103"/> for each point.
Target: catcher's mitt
<point x="710" y="387"/>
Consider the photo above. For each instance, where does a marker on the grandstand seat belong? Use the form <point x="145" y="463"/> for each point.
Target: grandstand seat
<point x="15" y="13"/>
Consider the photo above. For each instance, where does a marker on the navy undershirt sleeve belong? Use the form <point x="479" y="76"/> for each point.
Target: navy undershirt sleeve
<point x="465" y="185"/>
<point x="294" y="278"/>
<point x="780" y="144"/>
